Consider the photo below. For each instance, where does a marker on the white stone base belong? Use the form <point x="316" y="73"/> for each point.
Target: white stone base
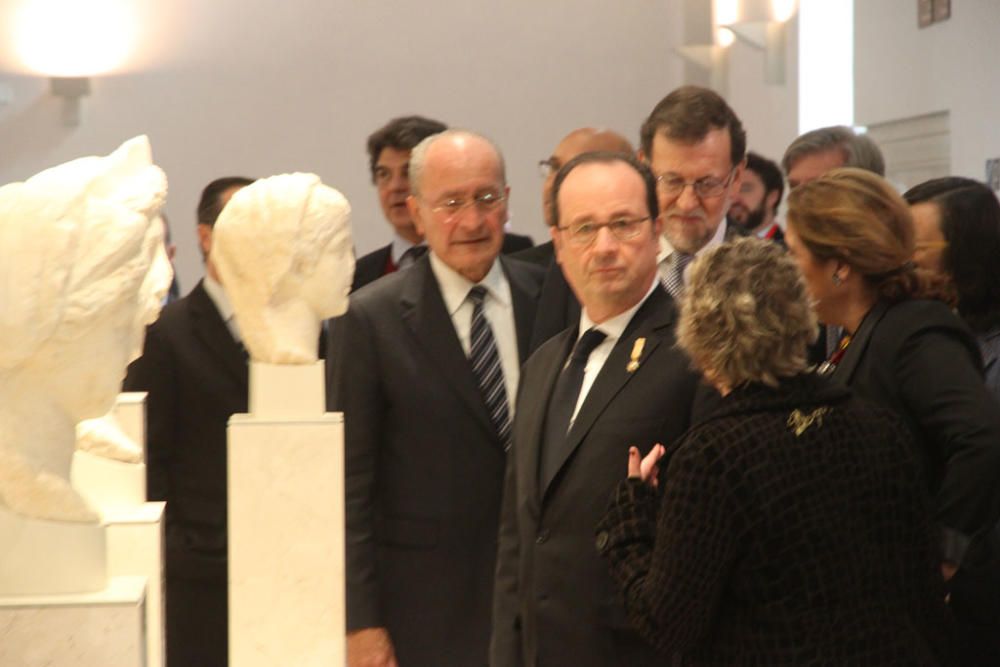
<point x="106" y="483"/>
<point x="135" y="548"/>
<point x="103" y="629"/>
<point x="286" y="528"/>
<point x="40" y="557"/>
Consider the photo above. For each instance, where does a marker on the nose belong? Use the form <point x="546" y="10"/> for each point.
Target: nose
<point x="400" y="180"/>
<point x="687" y="200"/>
<point x="605" y="242"/>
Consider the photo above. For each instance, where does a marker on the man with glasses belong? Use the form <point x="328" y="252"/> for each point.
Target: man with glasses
<point x="425" y="368"/>
<point x="389" y="150"/>
<point x="613" y="380"/>
<point x="695" y="144"/>
<point x="557" y="306"/>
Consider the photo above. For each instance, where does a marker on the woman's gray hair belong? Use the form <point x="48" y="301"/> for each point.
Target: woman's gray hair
<point x="746" y="315"/>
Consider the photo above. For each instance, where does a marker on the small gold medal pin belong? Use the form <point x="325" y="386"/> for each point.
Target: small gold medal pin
<point x="633" y="364"/>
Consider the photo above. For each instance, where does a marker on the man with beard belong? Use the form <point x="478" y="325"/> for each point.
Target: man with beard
<point x="756" y="203"/>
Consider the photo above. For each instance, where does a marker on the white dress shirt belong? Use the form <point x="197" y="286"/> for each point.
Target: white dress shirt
<point x="666" y="257"/>
<point x="614" y="328"/>
<point x="218" y="296"/>
<point x="498" y="307"/>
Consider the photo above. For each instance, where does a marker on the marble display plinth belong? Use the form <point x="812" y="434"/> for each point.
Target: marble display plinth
<point x="102" y="629"/>
<point x="130" y="411"/>
<point x="107" y="483"/>
<point x="135" y="547"/>
<point x="286" y="524"/>
<point x="39" y="557"/>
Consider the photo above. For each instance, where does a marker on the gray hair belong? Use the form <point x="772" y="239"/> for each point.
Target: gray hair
<point x="859" y="150"/>
<point x="418" y="157"/>
<point x="746" y="315"/>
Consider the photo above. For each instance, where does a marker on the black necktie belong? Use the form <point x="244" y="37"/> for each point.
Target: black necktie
<point x="563" y="403"/>
<point x="486" y="367"/>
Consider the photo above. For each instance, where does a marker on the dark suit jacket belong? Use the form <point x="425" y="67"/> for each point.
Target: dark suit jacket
<point x="554" y="602"/>
<point x="424" y="467"/>
<point x="784" y="541"/>
<point x="371" y="267"/>
<point x="196" y="376"/>
<point x="920" y="360"/>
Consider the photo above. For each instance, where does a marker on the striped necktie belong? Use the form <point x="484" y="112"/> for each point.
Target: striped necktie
<point x="485" y="359"/>
<point x="674" y="282"/>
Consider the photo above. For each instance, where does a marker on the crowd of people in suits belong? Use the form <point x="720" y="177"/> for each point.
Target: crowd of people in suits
<point x="679" y="432"/>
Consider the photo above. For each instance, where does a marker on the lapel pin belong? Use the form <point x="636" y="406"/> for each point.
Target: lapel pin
<point x="633" y="364"/>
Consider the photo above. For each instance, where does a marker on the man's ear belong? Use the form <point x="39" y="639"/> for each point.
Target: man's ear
<point x="205" y="240"/>
<point x="556" y="241"/>
<point x="771" y="200"/>
<point x="413" y="206"/>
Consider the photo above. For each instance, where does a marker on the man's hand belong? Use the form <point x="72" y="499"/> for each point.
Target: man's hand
<point x="370" y="647"/>
<point x="645" y="469"/>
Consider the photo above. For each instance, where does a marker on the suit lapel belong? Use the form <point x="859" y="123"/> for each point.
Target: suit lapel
<point x="533" y="410"/>
<point x="211" y="329"/>
<point x="652" y="321"/>
<point x="524" y="299"/>
<point x="859" y="343"/>
<point x="425" y="314"/>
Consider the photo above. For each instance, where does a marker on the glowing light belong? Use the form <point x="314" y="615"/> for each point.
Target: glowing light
<point x="782" y="10"/>
<point x="726" y="11"/>
<point x="72" y="38"/>
<point x="826" y="63"/>
<point x="724" y="37"/>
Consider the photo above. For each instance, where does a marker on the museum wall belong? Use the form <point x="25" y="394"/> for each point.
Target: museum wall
<point x="948" y="66"/>
<point x="264" y="87"/>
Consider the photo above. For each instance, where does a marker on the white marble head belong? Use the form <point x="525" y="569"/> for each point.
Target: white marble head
<point x="77" y="289"/>
<point x="282" y="249"/>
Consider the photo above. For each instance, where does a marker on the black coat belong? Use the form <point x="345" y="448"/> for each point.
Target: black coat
<point x="196" y="378"/>
<point x="793" y="529"/>
<point x="555" y="603"/>
<point x="424" y="466"/>
<point x="919" y="359"/>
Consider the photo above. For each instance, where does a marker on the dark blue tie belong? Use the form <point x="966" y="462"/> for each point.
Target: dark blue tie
<point x="563" y="403"/>
<point x="486" y="367"/>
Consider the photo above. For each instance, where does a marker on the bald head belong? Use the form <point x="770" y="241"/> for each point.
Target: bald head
<point x="580" y="141"/>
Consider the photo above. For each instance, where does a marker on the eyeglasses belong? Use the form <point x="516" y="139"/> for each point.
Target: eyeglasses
<point x="671" y="185"/>
<point x="548" y="166"/>
<point x="585" y="233"/>
<point x="451" y="207"/>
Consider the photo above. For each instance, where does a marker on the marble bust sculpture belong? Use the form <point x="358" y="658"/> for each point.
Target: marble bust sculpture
<point x="77" y="289"/>
<point x="282" y="249"/>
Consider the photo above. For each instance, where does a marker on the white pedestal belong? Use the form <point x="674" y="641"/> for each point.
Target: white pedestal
<point x="103" y="629"/>
<point x="130" y="410"/>
<point x="40" y="557"/>
<point x="107" y="483"/>
<point x="135" y="547"/>
<point x="286" y="525"/>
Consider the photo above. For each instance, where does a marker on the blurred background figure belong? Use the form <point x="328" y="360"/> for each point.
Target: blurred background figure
<point x="853" y="238"/>
<point x="756" y="203"/>
<point x="793" y="525"/>
<point x="957" y="226"/>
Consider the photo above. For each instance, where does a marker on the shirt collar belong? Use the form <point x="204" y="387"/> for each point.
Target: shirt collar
<point x="666" y="250"/>
<point x="218" y="296"/>
<point x="455" y="287"/>
<point x="615" y="326"/>
<point x="398" y="246"/>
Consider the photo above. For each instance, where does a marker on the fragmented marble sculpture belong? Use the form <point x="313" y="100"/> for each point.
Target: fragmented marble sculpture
<point x="79" y="242"/>
<point x="282" y="248"/>
<point x="103" y="436"/>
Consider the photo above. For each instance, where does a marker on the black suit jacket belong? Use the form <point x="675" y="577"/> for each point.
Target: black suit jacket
<point x="371" y="267"/>
<point x="921" y="361"/>
<point x="424" y="466"/>
<point x="554" y="602"/>
<point x="196" y="377"/>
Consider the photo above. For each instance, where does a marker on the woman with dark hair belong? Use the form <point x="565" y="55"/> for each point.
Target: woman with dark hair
<point x="957" y="223"/>
<point x="794" y="527"/>
<point x="853" y="238"/>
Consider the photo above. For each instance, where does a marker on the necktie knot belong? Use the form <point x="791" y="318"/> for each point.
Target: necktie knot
<point x="412" y="254"/>
<point x="590" y="339"/>
<point x="477" y="294"/>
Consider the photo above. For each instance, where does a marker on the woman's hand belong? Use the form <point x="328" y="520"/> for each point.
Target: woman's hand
<point x="646" y="469"/>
